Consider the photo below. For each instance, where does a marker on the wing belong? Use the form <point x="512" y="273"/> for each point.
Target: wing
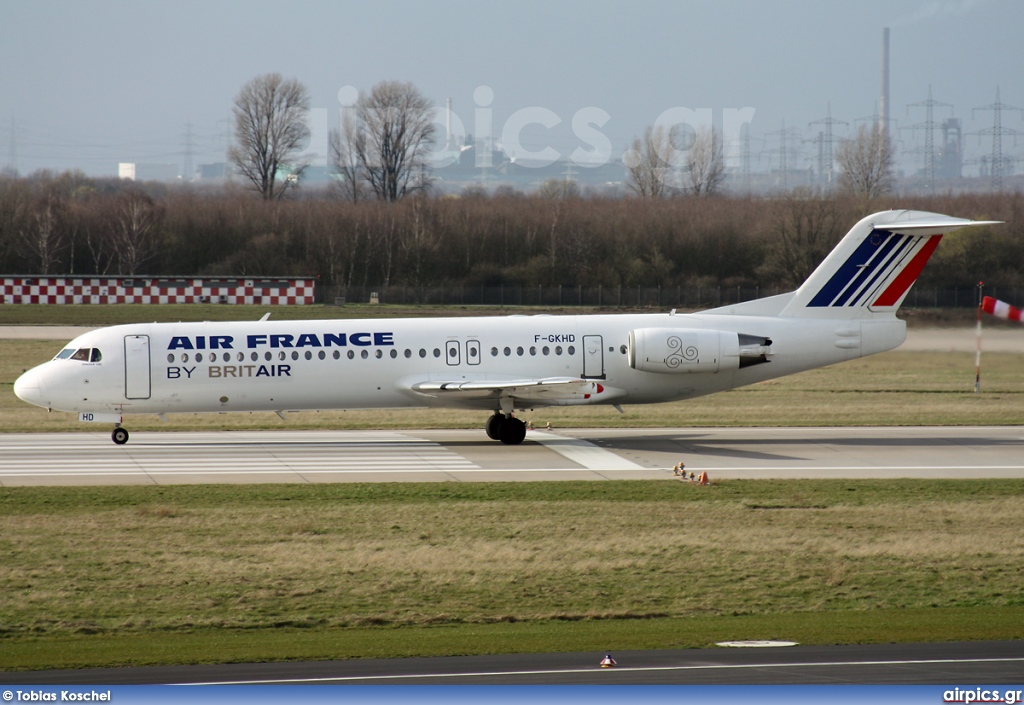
<point x="544" y="391"/>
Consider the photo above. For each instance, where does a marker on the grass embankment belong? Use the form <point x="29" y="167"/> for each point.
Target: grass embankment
<point x="132" y="575"/>
<point x="114" y="314"/>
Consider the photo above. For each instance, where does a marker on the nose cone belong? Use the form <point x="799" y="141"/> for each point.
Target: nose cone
<point x="29" y="388"/>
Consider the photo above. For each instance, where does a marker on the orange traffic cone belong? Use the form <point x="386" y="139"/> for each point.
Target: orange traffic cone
<point x="703" y="479"/>
<point x="607" y="661"/>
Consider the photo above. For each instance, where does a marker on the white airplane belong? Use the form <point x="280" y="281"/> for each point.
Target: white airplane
<point x="846" y="309"/>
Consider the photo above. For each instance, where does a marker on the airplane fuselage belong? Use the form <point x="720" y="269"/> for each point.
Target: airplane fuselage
<point x="377" y="363"/>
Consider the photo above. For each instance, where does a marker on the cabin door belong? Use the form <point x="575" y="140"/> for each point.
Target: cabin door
<point x="136" y="367"/>
<point x="593" y="357"/>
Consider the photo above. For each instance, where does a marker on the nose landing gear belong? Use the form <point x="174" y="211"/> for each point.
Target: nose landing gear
<point x="119" y="436"/>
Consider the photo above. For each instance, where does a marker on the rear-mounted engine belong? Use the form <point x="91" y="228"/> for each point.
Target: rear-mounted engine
<point x="679" y="350"/>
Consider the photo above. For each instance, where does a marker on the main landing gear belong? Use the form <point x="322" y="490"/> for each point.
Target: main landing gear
<point x="119" y="436"/>
<point x="507" y="429"/>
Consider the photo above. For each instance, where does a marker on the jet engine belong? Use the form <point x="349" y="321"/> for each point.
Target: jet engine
<point x="681" y="350"/>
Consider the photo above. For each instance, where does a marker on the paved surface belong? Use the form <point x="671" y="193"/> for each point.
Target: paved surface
<point x="467" y="455"/>
<point x="971" y="663"/>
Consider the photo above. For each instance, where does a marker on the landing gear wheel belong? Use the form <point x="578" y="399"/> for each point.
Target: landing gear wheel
<point x="119" y="436"/>
<point x="512" y="432"/>
<point x="493" y="425"/>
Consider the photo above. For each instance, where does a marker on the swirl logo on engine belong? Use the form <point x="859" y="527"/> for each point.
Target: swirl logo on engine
<point x="677" y="354"/>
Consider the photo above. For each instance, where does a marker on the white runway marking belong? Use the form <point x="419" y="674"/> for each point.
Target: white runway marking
<point x="641" y="669"/>
<point x="194" y="455"/>
<point x="582" y="452"/>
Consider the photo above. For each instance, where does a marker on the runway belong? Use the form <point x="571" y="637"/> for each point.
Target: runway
<point x="970" y="663"/>
<point x="467" y="455"/>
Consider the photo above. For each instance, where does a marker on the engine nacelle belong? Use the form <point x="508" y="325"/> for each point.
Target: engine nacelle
<point x="681" y="350"/>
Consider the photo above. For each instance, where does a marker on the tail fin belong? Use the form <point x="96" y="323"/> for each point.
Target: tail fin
<point x="872" y="268"/>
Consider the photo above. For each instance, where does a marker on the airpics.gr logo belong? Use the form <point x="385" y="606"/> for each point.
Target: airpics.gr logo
<point x="982" y="695"/>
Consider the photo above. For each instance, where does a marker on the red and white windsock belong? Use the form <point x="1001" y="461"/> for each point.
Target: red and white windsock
<point x="1001" y="309"/>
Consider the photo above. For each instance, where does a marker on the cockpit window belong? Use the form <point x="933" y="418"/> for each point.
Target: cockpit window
<point x="96" y="355"/>
<point x="81" y="354"/>
<point x="65" y="354"/>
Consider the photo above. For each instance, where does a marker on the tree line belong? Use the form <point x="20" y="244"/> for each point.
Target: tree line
<point x="68" y="224"/>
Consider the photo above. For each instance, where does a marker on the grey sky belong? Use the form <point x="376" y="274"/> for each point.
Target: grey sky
<point x="89" y="84"/>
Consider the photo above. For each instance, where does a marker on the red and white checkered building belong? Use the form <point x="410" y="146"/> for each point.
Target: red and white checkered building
<point x="273" y="291"/>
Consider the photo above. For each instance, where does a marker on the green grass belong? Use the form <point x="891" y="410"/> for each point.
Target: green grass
<point x="113" y="314"/>
<point x="118" y="575"/>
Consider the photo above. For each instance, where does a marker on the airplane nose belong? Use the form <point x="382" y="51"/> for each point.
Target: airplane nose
<point x="29" y="388"/>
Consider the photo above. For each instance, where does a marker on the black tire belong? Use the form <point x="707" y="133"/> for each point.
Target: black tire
<point x="494" y="425"/>
<point x="512" y="432"/>
<point x="119" y="436"/>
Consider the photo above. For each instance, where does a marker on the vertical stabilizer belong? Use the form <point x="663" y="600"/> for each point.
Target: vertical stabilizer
<point x="870" y="271"/>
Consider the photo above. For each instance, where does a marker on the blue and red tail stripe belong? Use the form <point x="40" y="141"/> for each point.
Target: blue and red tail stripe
<point x="881" y="255"/>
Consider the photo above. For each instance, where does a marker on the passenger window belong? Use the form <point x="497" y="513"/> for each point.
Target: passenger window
<point x="81" y="354"/>
<point x="96" y="355"/>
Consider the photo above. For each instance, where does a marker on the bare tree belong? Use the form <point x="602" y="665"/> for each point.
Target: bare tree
<point x="705" y="165"/>
<point x="270" y="130"/>
<point x="805" y="226"/>
<point x="866" y="161"/>
<point x="559" y="189"/>
<point x="647" y="167"/>
<point x="345" y="158"/>
<point x="134" y="223"/>
<point x="390" y="139"/>
<point x="45" y="237"/>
